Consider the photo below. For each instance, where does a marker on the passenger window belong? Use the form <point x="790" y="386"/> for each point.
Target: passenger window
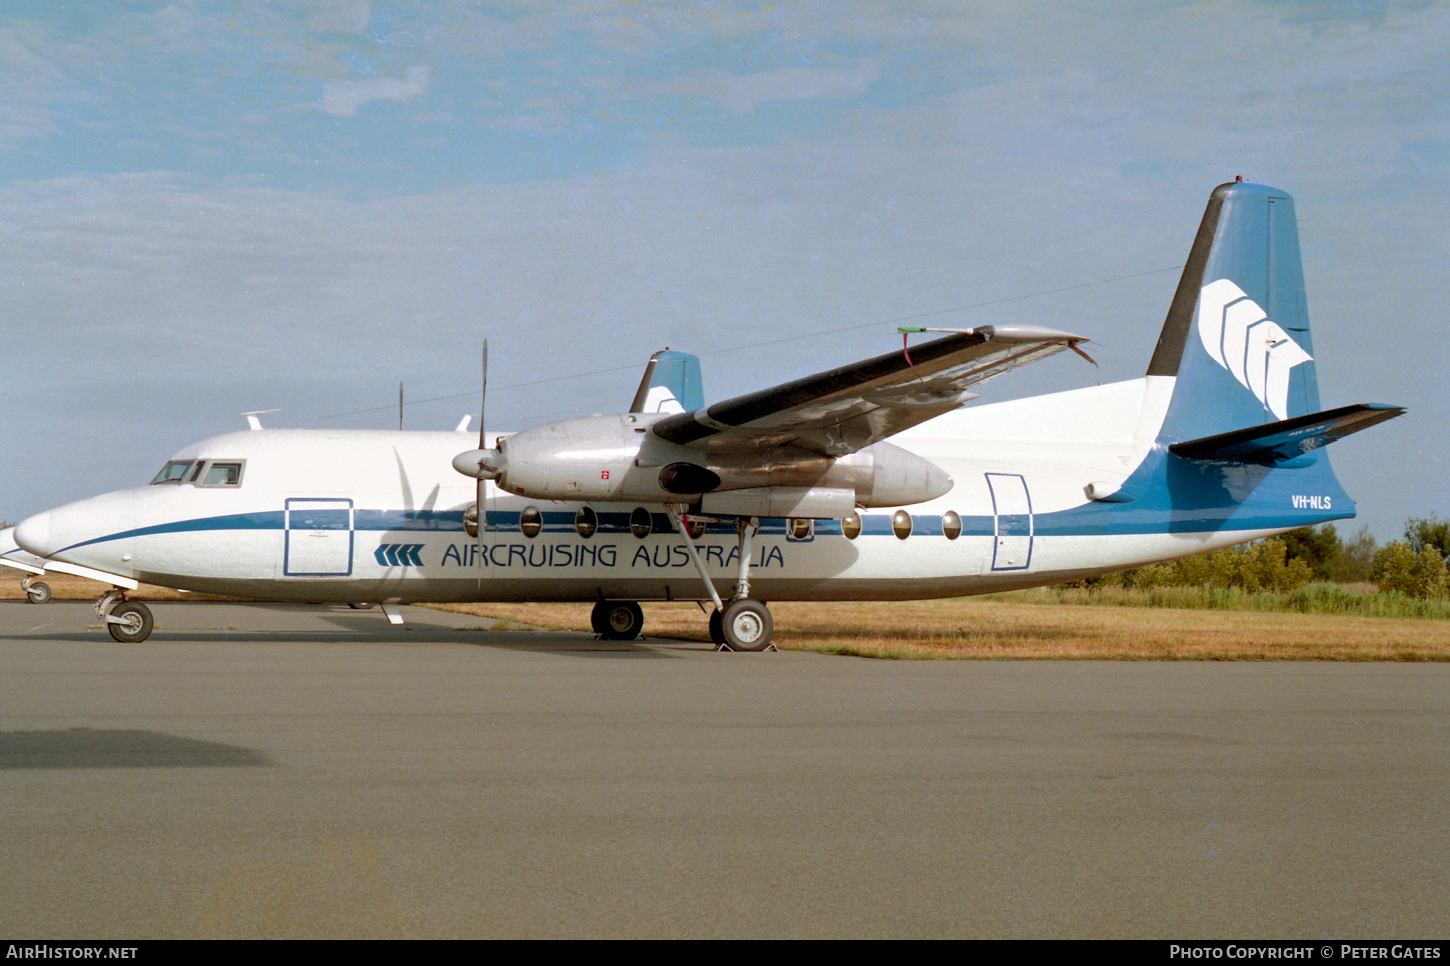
<point x="223" y="474"/>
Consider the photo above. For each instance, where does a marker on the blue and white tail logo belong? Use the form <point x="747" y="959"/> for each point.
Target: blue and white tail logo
<point x="1240" y="337"/>
<point x="662" y="400"/>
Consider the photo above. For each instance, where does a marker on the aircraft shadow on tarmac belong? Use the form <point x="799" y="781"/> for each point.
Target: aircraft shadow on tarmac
<point x="113" y="748"/>
<point x="216" y="622"/>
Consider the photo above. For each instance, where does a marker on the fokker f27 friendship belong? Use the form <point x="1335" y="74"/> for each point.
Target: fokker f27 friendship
<point x="789" y="493"/>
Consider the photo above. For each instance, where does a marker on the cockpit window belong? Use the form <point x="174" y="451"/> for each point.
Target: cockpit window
<point x="223" y="474"/>
<point x="174" y="471"/>
<point x="202" y="472"/>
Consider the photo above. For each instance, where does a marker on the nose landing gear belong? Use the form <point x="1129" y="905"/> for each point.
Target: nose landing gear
<point x="129" y="621"/>
<point x="37" y="592"/>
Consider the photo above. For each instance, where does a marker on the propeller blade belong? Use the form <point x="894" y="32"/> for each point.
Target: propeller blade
<point x="482" y="442"/>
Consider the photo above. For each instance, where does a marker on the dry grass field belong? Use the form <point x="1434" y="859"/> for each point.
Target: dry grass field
<point x="66" y="587"/>
<point x="1030" y="626"/>
<point x="1003" y="628"/>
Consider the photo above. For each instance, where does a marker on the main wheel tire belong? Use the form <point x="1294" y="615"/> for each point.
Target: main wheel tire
<point x="746" y="625"/>
<point x="619" y="620"/>
<point x="717" y="629"/>
<point x="38" y="593"/>
<point x="135" y="624"/>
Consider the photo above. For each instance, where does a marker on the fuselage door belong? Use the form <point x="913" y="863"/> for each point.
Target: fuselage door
<point x="1012" y="510"/>
<point x="319" y="538"/>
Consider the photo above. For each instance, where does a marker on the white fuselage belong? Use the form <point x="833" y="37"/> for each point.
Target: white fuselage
<point x="378" y="516"/>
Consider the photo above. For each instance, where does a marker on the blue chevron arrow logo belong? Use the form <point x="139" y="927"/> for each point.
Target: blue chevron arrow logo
<point x="399" y="555"/>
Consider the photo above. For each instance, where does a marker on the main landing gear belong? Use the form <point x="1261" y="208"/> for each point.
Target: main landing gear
<point x="129" y="621"/>
<point x="617" y="620"/>
<point x="742" y="624"/>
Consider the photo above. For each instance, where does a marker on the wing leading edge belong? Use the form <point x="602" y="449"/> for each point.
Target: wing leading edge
<point x="847" y="409"/>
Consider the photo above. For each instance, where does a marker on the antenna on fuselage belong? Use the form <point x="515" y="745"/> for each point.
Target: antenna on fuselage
<point x="253" y="423"/>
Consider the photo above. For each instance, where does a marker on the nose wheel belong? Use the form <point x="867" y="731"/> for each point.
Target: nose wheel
<point x="37" y="592"/>
<point x="129" y="621"/>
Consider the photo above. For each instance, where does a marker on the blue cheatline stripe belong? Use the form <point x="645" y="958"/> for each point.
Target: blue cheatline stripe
<point x="439" y="520"/>
<point x="266" y="520"/>
<point x="1091" y="519"/>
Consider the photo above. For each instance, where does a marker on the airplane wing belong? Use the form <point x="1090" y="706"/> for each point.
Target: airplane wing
<point x="846" y="409"/>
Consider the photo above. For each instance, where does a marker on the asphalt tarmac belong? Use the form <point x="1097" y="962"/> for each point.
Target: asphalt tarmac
<point x="290" y="771"/>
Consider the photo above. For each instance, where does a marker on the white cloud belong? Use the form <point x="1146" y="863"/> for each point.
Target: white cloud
<point x="740" y="93"/>
<point x="342" y="98"/>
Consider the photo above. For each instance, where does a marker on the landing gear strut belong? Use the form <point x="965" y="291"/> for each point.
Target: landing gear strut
<point x="742" y="624"/>
<point x="129" y="621"/>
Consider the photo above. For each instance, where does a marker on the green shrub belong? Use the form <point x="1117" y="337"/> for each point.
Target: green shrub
<point x="1319" y="547"/>
<point x="1356" y="558"/>
<point x="1399" y="569"/>
<point x="1265" y="565"/>
<point x="1429" y="533"/>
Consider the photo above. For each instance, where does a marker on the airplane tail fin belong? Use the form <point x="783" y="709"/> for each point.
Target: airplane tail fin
<point x="671" y="384"/>
<point x="1237" y="340"/>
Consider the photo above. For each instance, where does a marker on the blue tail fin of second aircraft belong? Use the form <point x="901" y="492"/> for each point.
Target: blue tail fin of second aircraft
<point x="671" y="384"/>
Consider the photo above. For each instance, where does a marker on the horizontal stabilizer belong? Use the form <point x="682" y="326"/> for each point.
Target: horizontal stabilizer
<point x="1275" y="444"/>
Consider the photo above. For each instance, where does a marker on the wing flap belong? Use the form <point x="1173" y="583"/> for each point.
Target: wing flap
<point x="843" y="410"/>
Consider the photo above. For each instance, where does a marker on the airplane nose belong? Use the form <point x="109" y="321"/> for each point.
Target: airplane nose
<point x="33" y="534"/>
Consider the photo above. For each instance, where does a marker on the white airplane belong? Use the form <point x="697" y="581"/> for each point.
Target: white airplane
<point x="790" y="493"/>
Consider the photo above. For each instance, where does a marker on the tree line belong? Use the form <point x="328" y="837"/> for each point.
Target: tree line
<point x="1415" y="566"/>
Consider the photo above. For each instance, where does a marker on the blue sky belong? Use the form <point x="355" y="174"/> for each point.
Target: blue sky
<point x="208" y="208"/>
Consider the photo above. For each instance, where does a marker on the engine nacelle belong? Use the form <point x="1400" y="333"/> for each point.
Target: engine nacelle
<point x="577" y="459"/>
<point x="617" y="459"/>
